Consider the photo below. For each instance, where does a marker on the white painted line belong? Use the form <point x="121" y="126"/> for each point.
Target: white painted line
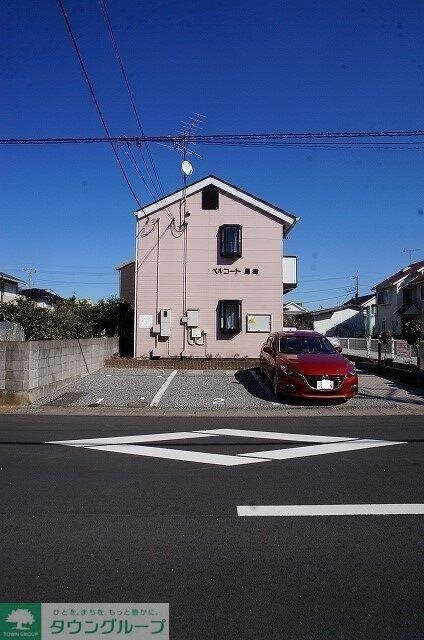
<point x="266" y="390"/>
<point x="332" y="510"/>
<point x="158" y="396"/>
<point x="150" y="437"/>
<point x="176" y="454"/>
<point x="108" y="375"/>
<point x="320" y="449"/>
<point x="272" y="435"/>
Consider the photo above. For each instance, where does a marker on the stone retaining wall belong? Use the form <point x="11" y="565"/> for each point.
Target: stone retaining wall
<point x="29" y="370"/>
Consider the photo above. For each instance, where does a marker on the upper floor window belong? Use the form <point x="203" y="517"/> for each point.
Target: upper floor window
<point x="422" y="292"/>
<point x="210" y="197"/>
<point x="230" y="316"/>
<point x="373" y="306"/>
<point x="230" y="240"/>
<point x="383" y="297"/>
<point x="407" y="295"/>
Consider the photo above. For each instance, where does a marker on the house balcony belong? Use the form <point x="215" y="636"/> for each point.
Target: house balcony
<point x="289" y="273"/>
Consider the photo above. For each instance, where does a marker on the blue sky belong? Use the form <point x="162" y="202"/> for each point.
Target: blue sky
<point x="247" y="67"/>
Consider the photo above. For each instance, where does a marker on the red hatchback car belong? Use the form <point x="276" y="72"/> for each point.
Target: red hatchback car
<point x="305" y="364"/>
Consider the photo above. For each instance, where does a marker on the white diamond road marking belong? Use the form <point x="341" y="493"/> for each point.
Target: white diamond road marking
<point x="127" y="444"/>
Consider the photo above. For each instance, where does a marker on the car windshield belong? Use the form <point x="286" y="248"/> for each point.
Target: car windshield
<point x="305" y="344"/>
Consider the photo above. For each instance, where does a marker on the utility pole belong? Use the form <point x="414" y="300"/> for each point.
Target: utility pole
<point x="2" y="285"/>
<point x="30" y="271"/>
<point x="357" y="284"/>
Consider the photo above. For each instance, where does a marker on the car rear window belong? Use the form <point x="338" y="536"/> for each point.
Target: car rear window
<point x="305" y="344"/>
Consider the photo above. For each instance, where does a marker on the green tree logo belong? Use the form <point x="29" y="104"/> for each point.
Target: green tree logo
<point x="21" y="617"/>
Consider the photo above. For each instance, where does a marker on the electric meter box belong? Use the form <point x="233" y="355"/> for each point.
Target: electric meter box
<point x="165" y="322"/>
<point x="192" y="317"/>
<point x="196" y="333"/>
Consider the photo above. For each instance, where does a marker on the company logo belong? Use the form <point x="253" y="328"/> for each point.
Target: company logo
<point x="20" y="620"/>
<point x="21" y="617"/>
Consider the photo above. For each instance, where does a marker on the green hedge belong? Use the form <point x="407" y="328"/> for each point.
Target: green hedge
<point x="72" y="319"/>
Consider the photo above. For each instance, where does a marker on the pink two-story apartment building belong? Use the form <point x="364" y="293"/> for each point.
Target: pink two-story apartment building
<point x="209" y="272"/>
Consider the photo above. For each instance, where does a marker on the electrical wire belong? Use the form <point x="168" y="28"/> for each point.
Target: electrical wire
<point x="338" y="137"/>
<point x="93" y="95"/>
<point x="131" y="96"/>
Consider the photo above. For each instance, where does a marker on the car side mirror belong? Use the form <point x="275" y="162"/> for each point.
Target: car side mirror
<point x="338" y="349"/>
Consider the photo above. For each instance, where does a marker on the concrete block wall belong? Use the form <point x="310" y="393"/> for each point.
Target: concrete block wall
<point x="29" y="370"/>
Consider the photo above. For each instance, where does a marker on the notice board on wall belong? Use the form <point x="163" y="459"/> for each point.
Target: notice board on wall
<point x="258" y="323"/>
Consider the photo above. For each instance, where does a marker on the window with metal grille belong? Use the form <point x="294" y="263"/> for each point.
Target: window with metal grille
<point x="230" y="315"/>
<point x="230" y="240"/>
<point x="210" y="197"/>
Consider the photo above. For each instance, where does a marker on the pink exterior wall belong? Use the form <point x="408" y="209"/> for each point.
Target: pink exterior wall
<point x="262" y="293"/>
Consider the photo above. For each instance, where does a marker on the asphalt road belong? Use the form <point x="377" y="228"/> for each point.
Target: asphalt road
<point x="96" y="525"/>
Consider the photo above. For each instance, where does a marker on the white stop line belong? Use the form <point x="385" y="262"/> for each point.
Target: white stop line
<point x="295" y="510"/>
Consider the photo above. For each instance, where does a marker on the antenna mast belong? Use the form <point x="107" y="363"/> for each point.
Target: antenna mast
<point x="30" y="271"/>
<point x="410" y="251"/>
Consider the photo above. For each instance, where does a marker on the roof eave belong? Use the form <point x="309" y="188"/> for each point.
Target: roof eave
<point x="288" y="220"/>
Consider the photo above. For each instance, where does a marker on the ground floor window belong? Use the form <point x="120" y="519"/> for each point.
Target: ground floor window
<point x="230" y="315"/>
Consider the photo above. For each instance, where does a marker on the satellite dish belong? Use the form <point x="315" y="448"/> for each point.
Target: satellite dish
<point x="187" y="168"/>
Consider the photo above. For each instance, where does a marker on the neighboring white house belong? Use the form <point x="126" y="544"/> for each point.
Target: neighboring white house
<point x="349" y="320"/>
<point x="9" y="287"/>
<point x="44" y="298"/>
<point x="400" y="299"/>
<point x="293" y="308"/>
<point x="368" y="305"/>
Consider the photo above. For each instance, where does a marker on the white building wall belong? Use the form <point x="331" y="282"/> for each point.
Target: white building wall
<point x="342" y="323"/>
<point x="386" y="316"/>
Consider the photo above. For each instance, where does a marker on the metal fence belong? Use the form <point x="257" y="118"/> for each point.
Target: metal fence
<point x="398" y="350"/>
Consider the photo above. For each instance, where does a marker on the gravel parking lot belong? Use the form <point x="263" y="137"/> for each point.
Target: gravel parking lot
<point x="209" y="390"/>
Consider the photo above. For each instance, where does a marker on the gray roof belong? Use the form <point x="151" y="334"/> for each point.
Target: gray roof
<point x="40" y="294"/>
<point x="360" y="300"/>
<point x="317" y="312"/>
<point x="10" y="278"/>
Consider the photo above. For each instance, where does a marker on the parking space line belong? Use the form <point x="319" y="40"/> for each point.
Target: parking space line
<point x="266" y="390"/>
<point x="96" y="403"/>
<point x="294" y="510"/>
<point x="158" y="396"/>
<point x="179" y="454"/>
<point x="272" y="435"/>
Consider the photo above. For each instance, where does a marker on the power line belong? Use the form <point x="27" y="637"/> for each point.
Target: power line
<point x="239" y="138"/>
<point x="131" y="96"/>
<point x="93" y="95"/>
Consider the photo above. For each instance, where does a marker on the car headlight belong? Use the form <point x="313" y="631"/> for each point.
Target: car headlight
<point x="352" y="372"/>
<point x="287" y="371"/>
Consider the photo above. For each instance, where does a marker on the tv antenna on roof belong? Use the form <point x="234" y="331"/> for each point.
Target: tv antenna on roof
<point x="410" y="251"/>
